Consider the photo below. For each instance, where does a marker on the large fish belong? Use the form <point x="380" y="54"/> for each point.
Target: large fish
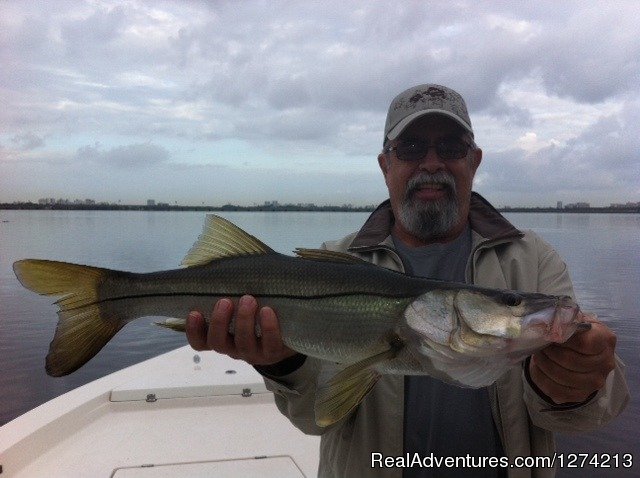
<point x="330" y="305"/>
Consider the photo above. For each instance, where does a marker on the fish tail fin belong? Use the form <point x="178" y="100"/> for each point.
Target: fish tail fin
<point x="83" y="329"/>
<point x="80" y="335"/>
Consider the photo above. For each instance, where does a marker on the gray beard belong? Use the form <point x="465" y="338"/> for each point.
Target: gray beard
<point x="434" y="219"/>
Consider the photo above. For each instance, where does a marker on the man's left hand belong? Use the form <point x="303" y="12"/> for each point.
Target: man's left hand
<point x="572" y="371"/>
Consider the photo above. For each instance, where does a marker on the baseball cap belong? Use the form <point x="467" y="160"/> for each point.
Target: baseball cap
<point x="424" y="100"/>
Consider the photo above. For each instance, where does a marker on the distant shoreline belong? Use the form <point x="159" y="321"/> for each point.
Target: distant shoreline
<point x="283" y="208"/>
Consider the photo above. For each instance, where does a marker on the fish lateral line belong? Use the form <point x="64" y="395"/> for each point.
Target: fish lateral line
<point x="236" y="294"/>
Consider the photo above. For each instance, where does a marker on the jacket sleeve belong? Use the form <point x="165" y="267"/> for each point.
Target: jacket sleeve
<point x="598" y="410"/>
<point x="607" y="403"/>
<point x="295" y="395"/>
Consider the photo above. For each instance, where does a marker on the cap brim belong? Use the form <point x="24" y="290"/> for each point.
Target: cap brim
<point x="402" y="125"/>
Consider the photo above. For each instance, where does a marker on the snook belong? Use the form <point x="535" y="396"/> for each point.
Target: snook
<point x="330" y="305"/>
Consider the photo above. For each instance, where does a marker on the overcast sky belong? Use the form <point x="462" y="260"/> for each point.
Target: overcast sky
<point x="246" y="102"/>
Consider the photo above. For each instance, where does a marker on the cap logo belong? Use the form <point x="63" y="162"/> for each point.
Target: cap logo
<point x="432" y="92"/>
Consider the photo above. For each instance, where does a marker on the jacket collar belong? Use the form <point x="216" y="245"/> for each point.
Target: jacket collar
<point x="483" y="217"/>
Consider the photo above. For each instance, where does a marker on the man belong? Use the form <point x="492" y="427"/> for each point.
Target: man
<point x="434" y="226"/>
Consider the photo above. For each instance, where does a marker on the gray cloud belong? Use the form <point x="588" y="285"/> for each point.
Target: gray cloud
<point x="27" y="141"/>
<point x="91" y="35"/>
<point x="289" y="93"/>
<point x="315" y="78"/>
<point x="601" y="162"/>
<point x="130" y="156"/>
<point x="593" y="69"/>
<point x="268" y="55"/>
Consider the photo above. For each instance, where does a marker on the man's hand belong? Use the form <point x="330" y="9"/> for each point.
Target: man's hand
<point x="572" y="371"/>
<point x="244" y="345"/>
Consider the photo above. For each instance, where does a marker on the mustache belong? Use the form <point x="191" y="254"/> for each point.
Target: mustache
<point x="423" y="179"/>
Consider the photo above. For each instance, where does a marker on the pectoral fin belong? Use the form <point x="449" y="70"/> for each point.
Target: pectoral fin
<point x="345" y="390"/>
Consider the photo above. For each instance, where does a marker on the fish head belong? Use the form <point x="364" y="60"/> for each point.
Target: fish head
<point x="482" y="322"/>
<point x="470" y="336"/>
<point x="517" y="315"/>
<point x="501" y="313"/>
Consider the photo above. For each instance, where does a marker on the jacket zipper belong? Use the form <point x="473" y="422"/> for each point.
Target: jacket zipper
<point x="482" y="245"/>
<point x="493" y="391"/>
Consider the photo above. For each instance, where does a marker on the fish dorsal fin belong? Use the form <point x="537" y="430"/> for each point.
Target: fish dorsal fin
<point x="329" y="256"/>
<point x="345" y="390"/>
<point x="221" y="238"/>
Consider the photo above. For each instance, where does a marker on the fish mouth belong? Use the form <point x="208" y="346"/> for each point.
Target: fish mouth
<point x="541" y="318"/>
<point x="566" y="313"/>
<point x="567" y="310"/>
<point x="555" y="320"/>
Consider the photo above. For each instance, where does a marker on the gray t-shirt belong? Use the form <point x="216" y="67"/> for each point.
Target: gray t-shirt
<point x="443" y="419"/>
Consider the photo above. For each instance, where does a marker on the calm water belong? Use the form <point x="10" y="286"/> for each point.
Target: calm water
<point x="602" y="251"/>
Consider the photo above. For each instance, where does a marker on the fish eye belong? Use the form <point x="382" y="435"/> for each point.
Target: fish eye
<point x="512" y="300"/>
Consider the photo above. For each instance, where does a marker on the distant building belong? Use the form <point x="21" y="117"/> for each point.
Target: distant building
<point x="624" y="206"/>
<point x="559" y="205"/>
<point x="151" y="202"/>
<point x="578" y="205"/>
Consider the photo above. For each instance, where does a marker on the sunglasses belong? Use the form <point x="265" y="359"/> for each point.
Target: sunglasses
<point x="447" y="149"/>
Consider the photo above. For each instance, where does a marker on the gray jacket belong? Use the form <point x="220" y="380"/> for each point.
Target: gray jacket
<point x="502" y="257"/>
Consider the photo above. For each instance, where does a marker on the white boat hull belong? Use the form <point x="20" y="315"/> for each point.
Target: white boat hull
<point x="183" y="413"/>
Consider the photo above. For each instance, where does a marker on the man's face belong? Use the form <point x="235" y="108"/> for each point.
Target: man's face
<point x="430" y="197"/>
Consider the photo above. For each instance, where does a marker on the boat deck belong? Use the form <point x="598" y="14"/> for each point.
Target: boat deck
<point x="183" y="413"/>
